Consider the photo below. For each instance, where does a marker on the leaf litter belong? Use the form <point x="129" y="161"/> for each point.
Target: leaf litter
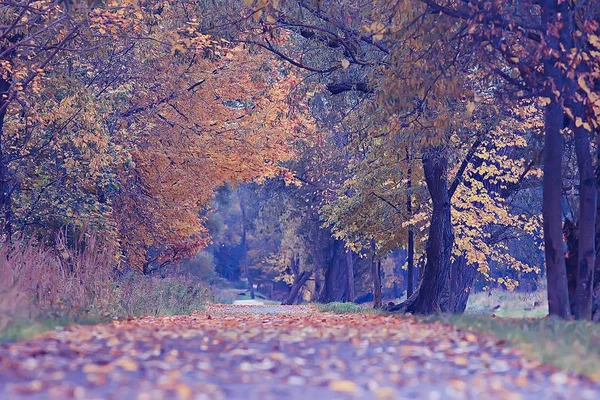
<point x="273" y="352"/>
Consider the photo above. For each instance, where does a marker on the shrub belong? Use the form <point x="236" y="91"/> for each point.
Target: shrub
<point x="82" y="283"/>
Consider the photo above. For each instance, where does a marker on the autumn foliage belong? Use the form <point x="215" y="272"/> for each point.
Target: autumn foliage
<point x="124" y="117"/>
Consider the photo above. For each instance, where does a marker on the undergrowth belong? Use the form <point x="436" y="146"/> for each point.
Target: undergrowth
<point x="345" y="308"/>
<point x="43" y="287"/>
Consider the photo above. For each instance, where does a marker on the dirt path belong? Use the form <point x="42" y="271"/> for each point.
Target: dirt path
<point x="275" y="352"/>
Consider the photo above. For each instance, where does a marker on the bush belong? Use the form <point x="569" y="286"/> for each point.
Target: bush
<point x="41" y="285"/>
<point x="143" y="295"/>
<point x="340" y="308"/>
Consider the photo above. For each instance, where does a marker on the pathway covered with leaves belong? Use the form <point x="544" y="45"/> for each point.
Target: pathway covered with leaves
<point x="274" y="352"/>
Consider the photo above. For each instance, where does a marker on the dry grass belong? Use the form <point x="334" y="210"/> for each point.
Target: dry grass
<point x="505" y="304"/>
<point x="42" y="287"/>
<point x="572" y="346"/>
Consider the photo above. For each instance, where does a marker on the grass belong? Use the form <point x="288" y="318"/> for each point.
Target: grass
<point x="572" y="346"/>
<point x="25" y="328"/>
<point x="42" y="289"/>
<point x="346" y="308"/>
<point x="504" y="304"/>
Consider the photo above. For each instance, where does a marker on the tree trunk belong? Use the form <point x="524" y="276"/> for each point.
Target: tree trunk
<point x="587" y="227"/>
<point x="558" y="295"/>
<point x="376" y="275"/>
<point x="462" y="285"/>
<point x="587" y="222"/>
<point x="427" y="298"/>
<point x="350" y="276"/>
<point x="5" y="180"/>
<point x="245" y="247"/>
<point x="410" y="260"/>
<point x="336" y="280"/>
<point x="299" y="282"/>
<point x="570" y="235"/>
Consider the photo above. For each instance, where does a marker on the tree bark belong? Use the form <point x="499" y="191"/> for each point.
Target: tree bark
<point x="350" y="275"/>
<point x="5" y="180"/>
<point x="299" y="282"/>
<point x="376" y="276"/>
<point x="245" y="247"/>
<point x="558" y="295"/>
<point x="336" y="280"/>
<point x="586" y="255"/>
<point x="462" y="285"/>
<point x="427" y="298"/>
<point x="410" y="260"/>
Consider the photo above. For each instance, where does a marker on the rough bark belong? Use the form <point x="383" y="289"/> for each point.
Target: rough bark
<point x="350" y="276"/>
<point x="427" y="298"/>
<point x="376" y="276"/>
<point x="245" y="248"/>
<point x="571" y="260"/>
<point x="587" y="224"/>
<point x="463" y="283"/>
<point x="410" y="261"/>
<point x="596" y="289"/>
<point x="558" y="295"/>
<point x="336" y="280"/>
<point x="299" y="282"/>
<point x="5" y="190"/>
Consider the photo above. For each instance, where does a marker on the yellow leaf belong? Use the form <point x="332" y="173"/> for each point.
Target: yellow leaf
<point x="469" y="337"/>
<point x="343" y="386"/>
<point x="385" y="393"/>
<point x="578" y="122"/>
<point x="345" y="63"/>
<point x="248" y="2"/>
<point x="127" y="364"/>
<point x="583" y="84"/>
<point x="462" y="361"/>
<point x="470" y="108"/>
<point x="271" y="20"/>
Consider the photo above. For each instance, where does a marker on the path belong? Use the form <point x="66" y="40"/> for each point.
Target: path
<point x="275" y="352"/>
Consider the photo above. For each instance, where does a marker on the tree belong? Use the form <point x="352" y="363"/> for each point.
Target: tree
<point x="124" y="118"/>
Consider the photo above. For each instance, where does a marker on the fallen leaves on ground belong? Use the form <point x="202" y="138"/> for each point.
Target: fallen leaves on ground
<point x="263" y="352"/>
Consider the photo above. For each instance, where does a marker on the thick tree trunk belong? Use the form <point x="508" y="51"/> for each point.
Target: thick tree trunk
<point x="5" y="180"/>
<point x="299" y="282"/>
<point x="462" y="285"/>
<point x="587" y="222"/>
<point x="558" y="295"/>
<point x="317" y="263"/>
<point x="245" y="248"/>
<point x="350" y="276"/>
<point x="570" y="233"/>
<point x="336" y="279"/>
<point x="410" y="261"/>
<point x="376" y="276"/>
<point x="458" y="286"/>
<point x="428" y="296"/>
